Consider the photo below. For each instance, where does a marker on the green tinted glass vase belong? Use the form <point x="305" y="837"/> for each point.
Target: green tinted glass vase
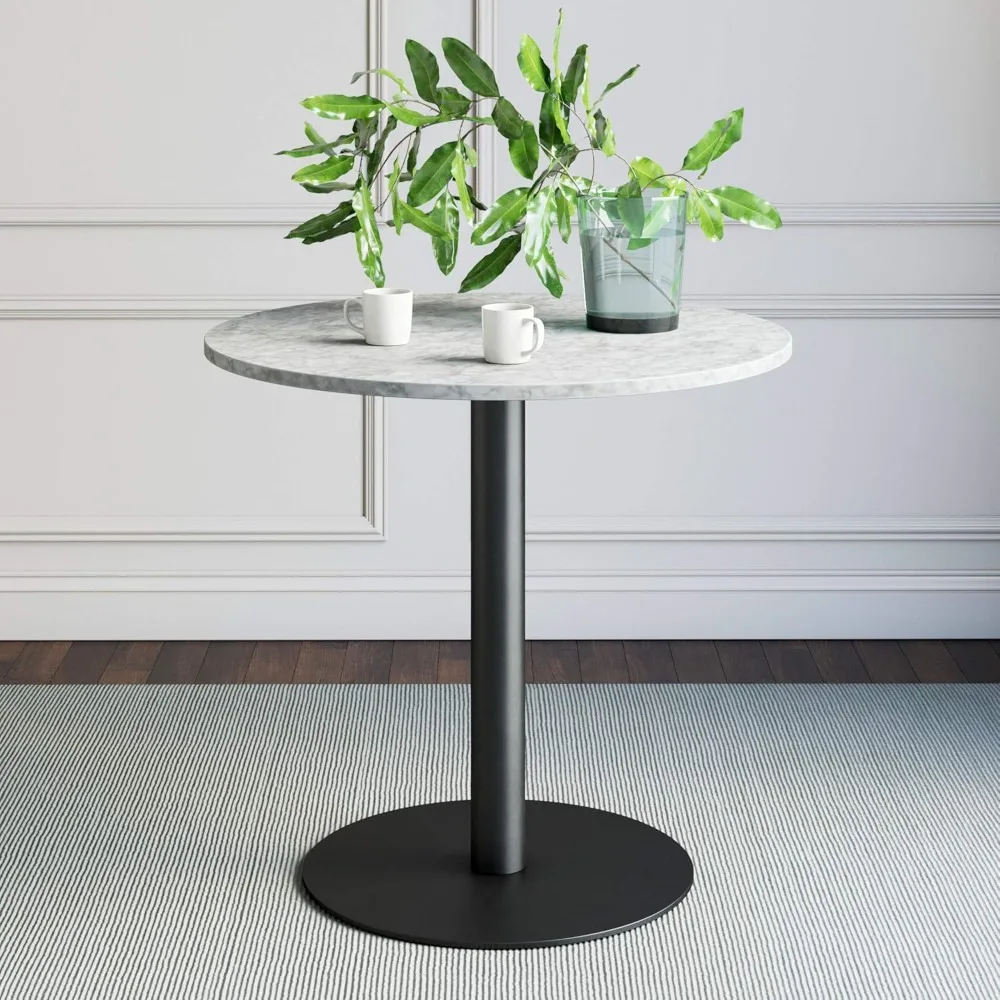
<point x="633" y="260"/>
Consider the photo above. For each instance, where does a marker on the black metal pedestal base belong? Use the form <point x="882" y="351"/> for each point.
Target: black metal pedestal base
<point x="587" y="874"/>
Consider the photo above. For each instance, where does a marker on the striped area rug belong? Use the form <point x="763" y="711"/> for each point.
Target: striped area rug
<point x="846" y="840"/>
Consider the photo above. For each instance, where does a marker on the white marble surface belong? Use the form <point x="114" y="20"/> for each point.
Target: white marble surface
<point x="311" y="347"/>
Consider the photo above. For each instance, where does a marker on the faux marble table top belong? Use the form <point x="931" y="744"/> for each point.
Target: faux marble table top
<point x="311" y="347"/>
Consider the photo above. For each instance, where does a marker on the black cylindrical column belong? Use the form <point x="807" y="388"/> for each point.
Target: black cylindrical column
<point x="497" y="637"/>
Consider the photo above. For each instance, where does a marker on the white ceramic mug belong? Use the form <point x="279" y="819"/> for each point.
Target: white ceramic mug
<point x="386" y="313"/>
<point x="504" y="327"/>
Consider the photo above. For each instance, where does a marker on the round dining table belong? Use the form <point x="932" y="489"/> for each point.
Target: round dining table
<point x="496" y="870"/>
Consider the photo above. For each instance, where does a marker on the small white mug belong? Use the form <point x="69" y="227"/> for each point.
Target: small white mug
<point x="504" y="327"/>
<point x="386" y="313"/>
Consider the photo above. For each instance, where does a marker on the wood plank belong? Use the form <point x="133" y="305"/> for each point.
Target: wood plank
<point x="9" y="652"/>
<point x="649" y="661"/>
<point x="995" y="643"/>
<point x="84" y="663"/>
<point x="454" y="662"/>
<point x="367" y="662"/>
<point x="602" y="661"/>
<point x="413" y="662"/>
<point x="791" y="662"/>
<point x="838" y="661"/>
<point x="744" y="662"/>
<point x="178" y="663"/>
<point x="885" y="661"/>
<point x="555" y="661"/>
<point x="124" y="677"/>
<point x="132" y="659"/>
<point x="37" y="662"/>
<point x="977" y="659"/>
<point x="529" y="672"/>
<point x="696" y="661"/>
<point x="225" y="662"/>
<point x="320" y="662"/>
<point x="931" y="661"/>
<point x="273" y="663"/>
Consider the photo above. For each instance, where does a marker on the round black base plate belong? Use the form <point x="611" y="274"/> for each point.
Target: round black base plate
<point x="406" y="874"/>
<point x="611" y="324"/>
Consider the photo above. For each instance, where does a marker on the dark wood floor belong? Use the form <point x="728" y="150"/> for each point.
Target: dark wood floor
<point x="561" y="661"/>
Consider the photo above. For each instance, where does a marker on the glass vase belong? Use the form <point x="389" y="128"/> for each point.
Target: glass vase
<point x="633" y="259"/>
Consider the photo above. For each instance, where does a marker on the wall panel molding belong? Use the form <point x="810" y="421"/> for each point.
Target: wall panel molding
<point x="773" y="306"/>
<point x="291" y="213"/>
<point x="484" y="20"/>
<point x="369" y="525"/>
<point x="633" y="528"/>
<point x="559" y="581"/>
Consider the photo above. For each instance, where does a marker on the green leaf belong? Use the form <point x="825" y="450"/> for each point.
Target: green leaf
<point x="327" y="188"/>
<point x="341" y="106"/>
<point x="508" y="119"/>
<point x="493" y="264"/>
<point x="533" y="68"/>
<point x="381" y="72"/>
<point x="627" y="75"/>
<point x="502" y="216"/>
<point x="470" y="68"/>
<point x="424" y="68"/>
<point x="549" y="117"/>
<point x="656" y="217"/>
<point x="407" y="213"/>
<point x="432" y="178"/>
<point x="458" y="164"/>
<point x="415" y="118"/>
<point x="565" y="202"/>
<point x="524" y="151"/>
<point x="575" y="75"/>
<point x="452" y="102"/>
<point x="322" y="227"/>
<point x="378" y="150"/>
<point x="647" y="172"/>
<point x="397" y="215"/>
<point x="538" y="218"/>
<point x="637" y="243"/>
<point x="316" y="139"/>
<point x="720" y="137"/>
<point x="314" y="149"/>
<point x="631" y="209"/>
<point x="743" y="206"/>
<point x="706" y="208"/>
<point x="349" y="225"/>
<point x="546" y="269"/>
<point x="588" y="108"/>
<point x="445" y="215"/>
<point x="411" y="156"/>
<point x="364" y="129"/>
<point x="555" y="43"/>
<point x="367" y="239"/>
<point x="565" y="155"/>
<point x="328" y="170"/>
<point x="562" y="125"/>
<point x="604" y="134"/>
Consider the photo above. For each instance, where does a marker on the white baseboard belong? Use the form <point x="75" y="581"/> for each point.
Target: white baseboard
<point x="633" y="604"/>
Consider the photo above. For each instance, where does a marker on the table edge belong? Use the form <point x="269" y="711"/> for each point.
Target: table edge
<point x="489" y="391"/>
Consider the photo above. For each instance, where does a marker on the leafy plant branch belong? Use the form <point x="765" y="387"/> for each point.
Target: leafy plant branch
<point x="630" y="216"/>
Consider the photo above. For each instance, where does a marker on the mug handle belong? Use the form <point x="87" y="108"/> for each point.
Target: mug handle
<point x="347" y="305"/>
<point x="539" y="338"/>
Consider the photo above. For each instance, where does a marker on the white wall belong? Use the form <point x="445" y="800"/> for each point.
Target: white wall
<point x="144" y="494"/>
